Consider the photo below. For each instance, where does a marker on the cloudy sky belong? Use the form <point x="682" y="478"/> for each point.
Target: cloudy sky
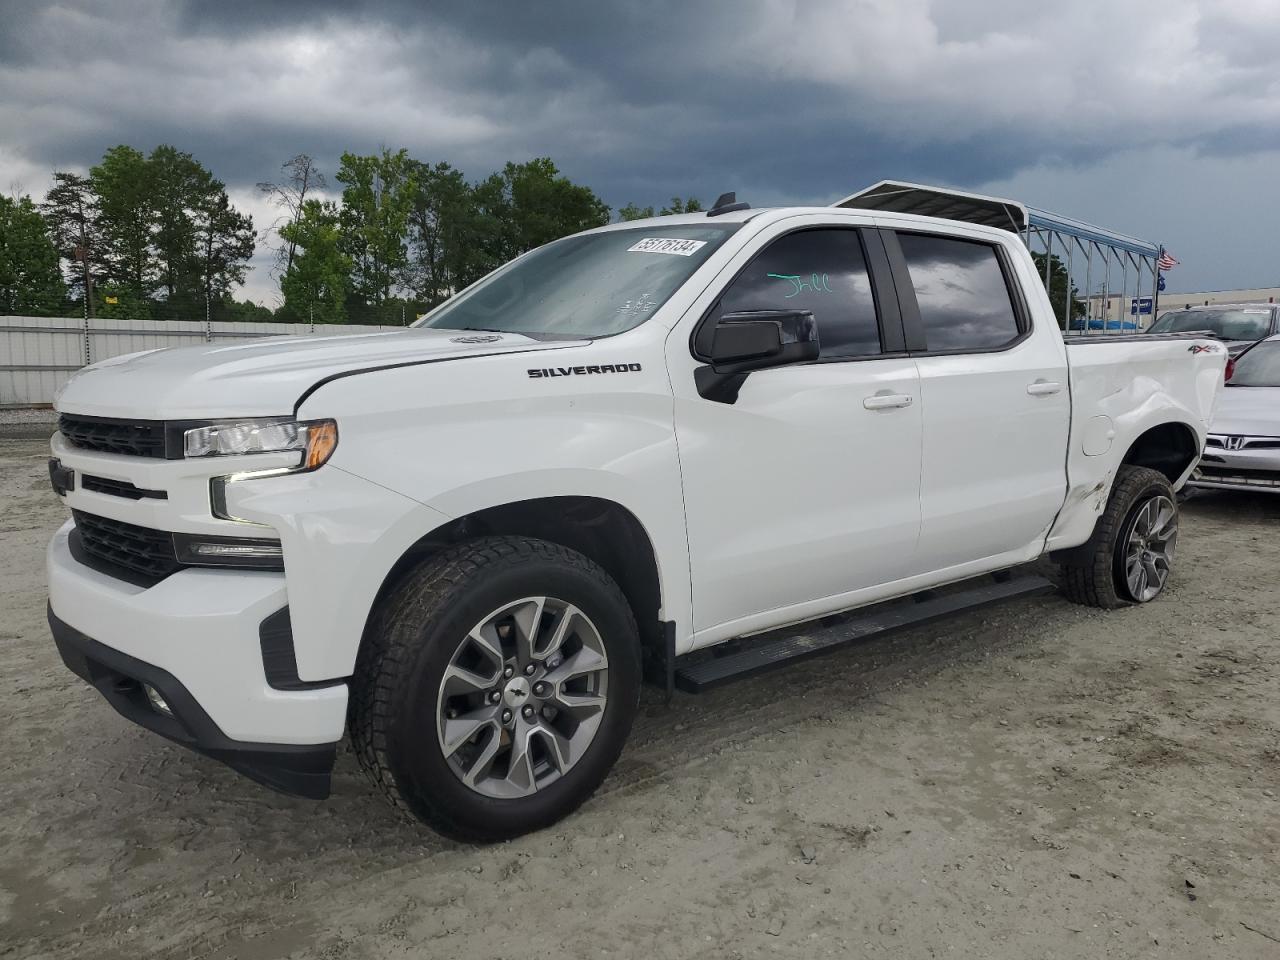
<point x="1158" y="119"/>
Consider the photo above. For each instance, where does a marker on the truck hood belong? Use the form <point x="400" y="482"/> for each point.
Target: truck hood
<point x="1248" y="412"/>
<point x="263" y="377"/>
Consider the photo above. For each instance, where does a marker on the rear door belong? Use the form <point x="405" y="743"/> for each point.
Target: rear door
<point x="996" y="403"/>
<point x="806" y="487"/>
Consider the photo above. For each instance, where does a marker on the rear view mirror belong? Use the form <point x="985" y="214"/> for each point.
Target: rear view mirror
<point x="744" y="340"/>
<point x="764" y="338"/>
<point x="754" y="340"/>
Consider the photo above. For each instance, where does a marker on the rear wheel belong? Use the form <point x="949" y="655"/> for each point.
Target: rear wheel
<point x="1147" y="543"/>
<point x="497" y="687"/>
<point x="1129" y="557"/>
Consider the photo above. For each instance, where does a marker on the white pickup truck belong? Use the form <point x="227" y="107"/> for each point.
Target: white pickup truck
<point x="462" y="543"/>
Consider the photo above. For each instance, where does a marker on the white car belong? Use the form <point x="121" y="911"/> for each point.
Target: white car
<point x="460" y="544"/>
<point x="1243" y="449"/>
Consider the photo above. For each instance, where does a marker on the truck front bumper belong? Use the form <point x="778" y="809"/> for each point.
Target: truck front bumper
<point x="196" y="640"/>
<point x="299" y="769"/>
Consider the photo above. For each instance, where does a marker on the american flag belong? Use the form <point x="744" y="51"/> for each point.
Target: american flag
<point x="1166" y="261"/>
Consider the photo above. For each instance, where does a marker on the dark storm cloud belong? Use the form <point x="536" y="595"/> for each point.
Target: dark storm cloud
<point x="698" y="129"/>
<point x="780" y="100"/>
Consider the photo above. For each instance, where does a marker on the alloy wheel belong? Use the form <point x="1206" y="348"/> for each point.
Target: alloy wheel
<point x="1149" y="548"/>
<point x="522" y="697"/>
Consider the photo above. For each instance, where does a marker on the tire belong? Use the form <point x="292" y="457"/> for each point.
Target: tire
<point x="1096" y="574"/>
<point x="462" y="615"/>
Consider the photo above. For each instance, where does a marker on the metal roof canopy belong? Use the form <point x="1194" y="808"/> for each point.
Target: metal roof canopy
<point x="900" y="197"/>
<point x="1033" y="225"/>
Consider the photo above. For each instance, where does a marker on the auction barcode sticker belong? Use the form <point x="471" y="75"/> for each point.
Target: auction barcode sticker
<point x="681" y="248"/>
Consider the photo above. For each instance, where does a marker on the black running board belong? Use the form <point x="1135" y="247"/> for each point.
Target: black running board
<point x="798" y="643"/>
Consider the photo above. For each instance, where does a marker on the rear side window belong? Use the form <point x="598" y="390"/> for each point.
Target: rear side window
<point x="961" y="290"/>
<point x="819" y="270"/>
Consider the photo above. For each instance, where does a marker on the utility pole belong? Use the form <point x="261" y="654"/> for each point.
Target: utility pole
<point x="83" y="257"/>
<point x="208" y="268"/>
<point x="208" y="256"/>
<point x="82" y="254"/>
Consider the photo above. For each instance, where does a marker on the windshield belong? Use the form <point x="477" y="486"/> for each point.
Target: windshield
<point x="1240" y="324"/>
<point x="593" y="285"/>
<point x="1258" y="367"/>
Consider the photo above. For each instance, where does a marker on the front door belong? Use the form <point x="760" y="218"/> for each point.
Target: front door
<point x="806" y="488"/>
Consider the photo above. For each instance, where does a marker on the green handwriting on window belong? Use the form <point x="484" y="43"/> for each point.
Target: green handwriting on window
<point x="815" y="282"/>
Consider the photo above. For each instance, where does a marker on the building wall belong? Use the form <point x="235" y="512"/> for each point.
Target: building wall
<point x="1171" y="301"/>
<point x="39" y="354"/>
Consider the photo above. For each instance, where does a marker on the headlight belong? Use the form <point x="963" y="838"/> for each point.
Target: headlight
<point x="314" y="439"/>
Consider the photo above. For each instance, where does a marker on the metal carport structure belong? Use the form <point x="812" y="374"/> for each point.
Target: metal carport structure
<point x="1074" y="242"/>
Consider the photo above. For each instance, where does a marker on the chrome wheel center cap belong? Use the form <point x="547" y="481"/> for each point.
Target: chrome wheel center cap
<point x="516" y="692"/>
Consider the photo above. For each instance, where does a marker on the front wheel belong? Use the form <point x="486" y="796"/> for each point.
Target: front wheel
<point x="497" y="687"/>
<point x="1129" y="557"/>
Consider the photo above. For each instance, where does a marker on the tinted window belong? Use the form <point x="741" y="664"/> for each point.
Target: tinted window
<point x="964" y="302"/>
<point x="819" y="270"/>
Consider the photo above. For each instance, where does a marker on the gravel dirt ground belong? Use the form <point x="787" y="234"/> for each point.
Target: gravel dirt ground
<point x="26" y="423"/>
<point x="1036" y="780"/>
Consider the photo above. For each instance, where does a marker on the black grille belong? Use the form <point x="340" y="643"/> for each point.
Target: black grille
<point x="135" y="438"/>
<point x="139" y="549"/>
<point x="119" y="488"/>
<point x="1249" y="443"/>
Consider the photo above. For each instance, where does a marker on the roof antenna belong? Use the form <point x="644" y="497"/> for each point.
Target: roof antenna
<point x="727" y="203"/>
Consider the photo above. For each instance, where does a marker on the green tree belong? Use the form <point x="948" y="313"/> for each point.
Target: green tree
<point x="301" y="177"/>
<point x="315" y="285"/>
<point x="224" y="242"/>
<point x="689" y="205"/>
<point x="244" y="311"/>
<point x="202" y="244"/>
<point x="1059" y="280"/>
<point x="525" y="206"/>
<point x="443" y="226"/>
<point x="633" y="212"/>
<point x="126" y="216"/>
<point x="178" y="184"/>
<point x="120" y="302"/>
<point x="543" y="206"/>
<point x="30" y="271"/>
<point x="71" y="210"/>
<point x="377" y="196"/>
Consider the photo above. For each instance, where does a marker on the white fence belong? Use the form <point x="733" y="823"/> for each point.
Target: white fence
<point x="38" y="354"/>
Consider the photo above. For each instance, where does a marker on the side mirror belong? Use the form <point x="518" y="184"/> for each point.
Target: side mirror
<point x="754" y="340"/>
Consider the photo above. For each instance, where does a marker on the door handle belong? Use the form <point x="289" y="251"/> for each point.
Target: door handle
<point x="887" y="401"/>
<point x="1043" y="388"/>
